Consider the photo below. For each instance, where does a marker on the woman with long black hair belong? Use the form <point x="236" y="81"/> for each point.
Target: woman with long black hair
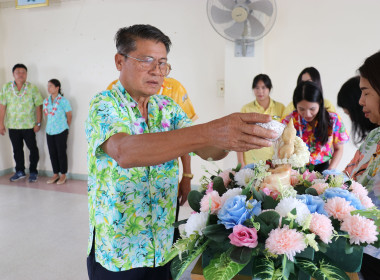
<point x="323" y="132"/>
<point x="348" y="99"/>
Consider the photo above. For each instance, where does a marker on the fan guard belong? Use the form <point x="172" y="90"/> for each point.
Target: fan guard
<point x="242" y="21"/>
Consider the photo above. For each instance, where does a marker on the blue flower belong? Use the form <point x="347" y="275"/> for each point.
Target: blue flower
<point x="236" y="210"/>
<point x="256" y="206"/>
<point x="314" y="203"/>
<point x="338" y="192"/>
<point x="250" y="166"/>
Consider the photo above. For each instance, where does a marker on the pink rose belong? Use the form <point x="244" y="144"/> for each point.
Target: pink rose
<point x="243" y="236"/>
<point x="310" y="176"/>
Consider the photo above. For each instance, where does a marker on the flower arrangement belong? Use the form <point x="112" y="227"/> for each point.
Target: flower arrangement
<point x="277" y="220"/>
<point x="272" y="225"/>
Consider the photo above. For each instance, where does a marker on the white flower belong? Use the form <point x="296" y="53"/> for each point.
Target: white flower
<point x="288" y="204"/>
<point x="196" y="223"/>
<point x="230" y="193"/>
<point x="244" y="176"/>
<point x="287" y="191"/>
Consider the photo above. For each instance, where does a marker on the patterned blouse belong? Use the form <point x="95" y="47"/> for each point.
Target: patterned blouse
<point x="56" y="114"/>
<point x="319" y="153"/>
<point x="131" y="210"/>
<point x="365" y="169"/>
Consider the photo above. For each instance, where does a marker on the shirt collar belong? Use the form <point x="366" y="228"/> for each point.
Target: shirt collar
<point x="271" y="104"/>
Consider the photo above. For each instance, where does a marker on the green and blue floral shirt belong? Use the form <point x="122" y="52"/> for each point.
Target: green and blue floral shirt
<point x="55" y="113"/>
<point x="21" y="105"/>
<point x="132" y="210"/>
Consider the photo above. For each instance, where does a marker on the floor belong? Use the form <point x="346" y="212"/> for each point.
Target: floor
<point x="44" y="229"/>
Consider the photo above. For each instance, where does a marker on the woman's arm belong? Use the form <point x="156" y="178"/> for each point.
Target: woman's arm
<point x="69" y="117"/>
<point x="240" y="158"/>
<point x="337" y="156"/>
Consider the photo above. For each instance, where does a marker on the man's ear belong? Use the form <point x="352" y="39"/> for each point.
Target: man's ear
<point x="119" y="59"/>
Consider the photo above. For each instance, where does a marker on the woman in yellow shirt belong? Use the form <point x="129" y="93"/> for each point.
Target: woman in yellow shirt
<point x="263" y="104"/>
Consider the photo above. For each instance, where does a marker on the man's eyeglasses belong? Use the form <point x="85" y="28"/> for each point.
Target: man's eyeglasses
<point x="149" y="62"/>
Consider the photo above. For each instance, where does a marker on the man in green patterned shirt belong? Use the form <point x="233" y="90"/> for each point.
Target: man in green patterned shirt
<point x="134" y="140"/>
<point x="21" y="106"/>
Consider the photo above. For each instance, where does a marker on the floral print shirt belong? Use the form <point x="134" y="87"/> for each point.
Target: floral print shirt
<point x="365" y="169"/>
<point x="55" y="113"/>
<point x="21" y="105"/>
<point x="319" y="153"/>
<point x="131" y="210"/>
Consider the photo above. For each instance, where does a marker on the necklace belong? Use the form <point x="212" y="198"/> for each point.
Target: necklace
<point x="24" y="92"/>
<point x="54" y="109"/>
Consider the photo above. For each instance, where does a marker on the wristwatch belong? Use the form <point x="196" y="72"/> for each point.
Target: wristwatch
<point x="188" y="175"/>
<point x="38" y="124"/>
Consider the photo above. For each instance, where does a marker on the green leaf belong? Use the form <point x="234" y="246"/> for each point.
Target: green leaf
<point x="194" y="198"/>
<point x="300" y="189"/>
<point x="331" y="272"/>
<point x="269" y="203"/>
<point x="308" y="267"/>
<point x="212" y="219"/>
<point x="237" y="167"/>
<point x="263" y="268"/>
<point x="241" y="255"/>
<point x="311" y="191"/>
<point x="217" y="232"/>
<point x="219" y="185"/>
<point x="348" y="249"/>
<point x="311" y="167"/>
<point x="222" y="268"/>
<point x="177" y="224"/>
<point x="257" y="195"/>
<point x="268" y="220"/>
<point x="180" y="263"/>
<point x="324" y="271"/>
<point x="246" y="192"/>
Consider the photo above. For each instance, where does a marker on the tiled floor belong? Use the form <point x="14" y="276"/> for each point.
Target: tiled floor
<point x="44" y="229"/>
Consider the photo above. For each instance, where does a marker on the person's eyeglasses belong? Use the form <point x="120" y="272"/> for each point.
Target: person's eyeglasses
<point x="149" y="62"/>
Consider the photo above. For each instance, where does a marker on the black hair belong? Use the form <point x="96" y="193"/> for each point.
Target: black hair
<point x="370" y="70"/>
<point x="348" y="98"/>
<point x="311" y="92"/>
<point x="57" y="83"/>
<point x="126" y="37"/>
<point x="19" y="65"/>
<point x="264" y="78"/>
<point x="314" y="75"/>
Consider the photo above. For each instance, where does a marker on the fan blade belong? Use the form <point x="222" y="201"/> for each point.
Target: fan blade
<point x="263" y="6"/>
<point x="257" y="28"/>
<point x="228" y="4"/>
<point x="236" y="30"/>
<point x="220" y="16"/>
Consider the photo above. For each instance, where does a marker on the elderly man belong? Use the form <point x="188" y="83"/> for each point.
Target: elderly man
<point x="135" y="137"/>
<point x="21" y="102"/>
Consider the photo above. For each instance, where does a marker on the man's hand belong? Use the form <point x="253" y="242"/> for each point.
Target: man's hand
<point x="36" y="128"/>
<point x="236" y="132"/>
<point x="2" y="129"/>
<point x="184" y="189"/>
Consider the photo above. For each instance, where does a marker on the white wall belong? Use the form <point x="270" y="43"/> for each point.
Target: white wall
<point x="73" y="41"/>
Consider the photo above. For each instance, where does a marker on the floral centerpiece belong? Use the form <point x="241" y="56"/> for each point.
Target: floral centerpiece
<point x="268" y="220"/>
